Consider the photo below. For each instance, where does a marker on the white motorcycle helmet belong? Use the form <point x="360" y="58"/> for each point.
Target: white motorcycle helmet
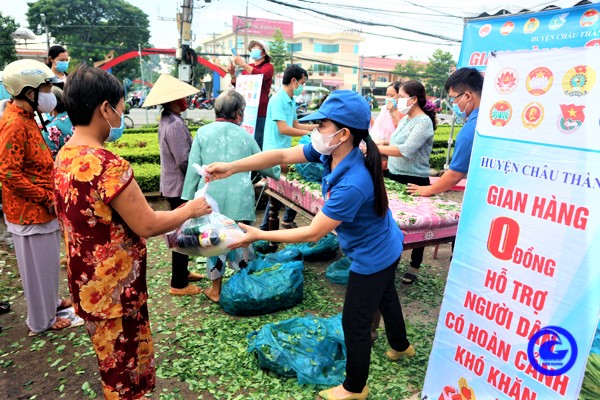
<point x="26" y="73"/>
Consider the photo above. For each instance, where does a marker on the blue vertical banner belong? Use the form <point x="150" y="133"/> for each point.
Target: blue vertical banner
<point x="568" y="27"/>
<point x="522" y="299"/>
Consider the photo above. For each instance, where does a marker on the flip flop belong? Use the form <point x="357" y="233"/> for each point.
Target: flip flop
<point x="195" y="277"/>
<point x="64" y="303"/>
<point x="60" y="323"/>
<point x="409" y="278"/>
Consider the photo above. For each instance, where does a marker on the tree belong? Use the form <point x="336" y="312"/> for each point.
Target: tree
<point x="278" y="51"/>
<point x="411" y="69"/>
<point x="438" y="69"/>
<point x="90" y="29"/>
<point x="8" y="53"/>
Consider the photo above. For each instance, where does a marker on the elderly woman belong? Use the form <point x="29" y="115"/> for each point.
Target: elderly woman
<point x="225" y="140"/>
<point x="105" y="218"/>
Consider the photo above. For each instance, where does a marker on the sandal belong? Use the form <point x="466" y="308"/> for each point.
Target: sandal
<point x="409" y="278"/>
<point x="189" y="290"/>
<point x="195" y="277"/>
<point x="61" y="323"/>
<point x="64" y="303"/>
<point x="289" y="225"/>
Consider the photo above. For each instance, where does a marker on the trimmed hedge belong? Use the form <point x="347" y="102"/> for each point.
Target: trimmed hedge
<point x="147" y="176"/>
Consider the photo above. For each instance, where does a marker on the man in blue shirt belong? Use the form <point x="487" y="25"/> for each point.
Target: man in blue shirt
<point x="464" y="88"/>
<point x="280" y="125"/>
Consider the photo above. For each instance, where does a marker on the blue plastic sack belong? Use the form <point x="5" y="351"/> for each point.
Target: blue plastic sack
<point x="310" y="171"/>
<point x="286" y="255"/>
<point x="263" y="287"/>
<point x="339" y="271"/>
<point x="310" y="348"/>
<point x="325" y="249"/>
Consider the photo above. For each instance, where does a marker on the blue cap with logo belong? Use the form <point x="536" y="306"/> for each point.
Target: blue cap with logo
<point x="345" y="107"/>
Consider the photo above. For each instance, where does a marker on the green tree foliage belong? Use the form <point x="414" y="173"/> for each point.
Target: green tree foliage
<point x="8" y="53"/>
<point x="437" y="71"/>
<point x="90" y="29"/>
<point x="411" y="70"/>
<point x="278" y="51"/>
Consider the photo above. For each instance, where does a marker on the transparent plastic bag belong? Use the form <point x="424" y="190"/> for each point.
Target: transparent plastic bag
<point x="208" y="235"/>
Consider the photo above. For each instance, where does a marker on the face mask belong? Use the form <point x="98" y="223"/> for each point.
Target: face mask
<point x="46" y="102"/>
<point x="255" y="54"/>
<point x="457" y="111"/>
<point x="116" y="133"/>
<point x="182" y="104"/>
<point x="403" y="106"/>
<point x="298" y="91"/>
<point x="62" y="66"/>
<point x="318" y="142"/>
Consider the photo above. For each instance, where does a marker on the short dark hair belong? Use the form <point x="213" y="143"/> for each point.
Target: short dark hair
<point x="465" y="79"/>
<point x="53" y="52"/>
<point x="293" y="71"/>
<point x="86" y="89"/>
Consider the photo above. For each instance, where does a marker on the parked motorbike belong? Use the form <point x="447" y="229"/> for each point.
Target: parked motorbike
<point x="198" y="102"/>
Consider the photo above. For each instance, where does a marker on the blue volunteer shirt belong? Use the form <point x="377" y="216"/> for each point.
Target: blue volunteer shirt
<point x="281" y="108"/>
<point x="464" y="145"/>
<point x="371" y="242"/>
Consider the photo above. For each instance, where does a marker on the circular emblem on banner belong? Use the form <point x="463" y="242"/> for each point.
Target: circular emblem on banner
<point x="485" y="30"/>
<point x="552" y="351"/>
<point x="506" y="80"/>
<point x="592" y="43"/>
<point x="539" y="81"/>
<point x="533" y="115"/>
<point x="531" y="25"/>
<point x="579" y="80"/>
<point x="500" y="113"/>
<point x="507" y="28"/>
<point x="571" y="118"/>
<point x="589" y="18"/>
<point x="557" y="21"/>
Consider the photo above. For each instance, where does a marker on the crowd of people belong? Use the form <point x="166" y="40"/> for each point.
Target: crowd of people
<point x="58" y="179"/>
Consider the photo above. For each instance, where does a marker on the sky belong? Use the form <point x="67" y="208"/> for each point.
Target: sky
<point x="428" y="16"/>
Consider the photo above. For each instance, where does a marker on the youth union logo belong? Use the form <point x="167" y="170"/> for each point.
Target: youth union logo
<point x="571" y="118"/>
<point x="552" y="351"/>
<point x="589" y="18"/>
<point x="506" y="80"/>
<point x="557" y="21"/>
<point x="531" y="25"/>
<point x="533" y="115"/>
<point x="500" y="113"/>
<point x="507" y="28"/>
<point x="539" y="81"/>
<point x="578" y="81"/>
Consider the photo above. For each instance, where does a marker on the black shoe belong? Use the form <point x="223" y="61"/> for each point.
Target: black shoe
<point x="4" y="307"/>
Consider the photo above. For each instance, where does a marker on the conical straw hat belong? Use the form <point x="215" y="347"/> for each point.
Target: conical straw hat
<point x="168" y="88"/>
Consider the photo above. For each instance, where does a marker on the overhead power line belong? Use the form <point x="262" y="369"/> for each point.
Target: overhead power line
<point x="362" y="22"/>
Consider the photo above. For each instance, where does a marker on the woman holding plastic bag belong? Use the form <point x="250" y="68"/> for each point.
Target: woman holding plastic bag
<point x="356" y="206"/>
<point x="225" y="140"/>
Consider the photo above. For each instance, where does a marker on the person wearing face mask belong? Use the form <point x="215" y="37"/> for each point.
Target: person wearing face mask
<point x="27" y="202"/>
<point x="281" y="125"/>
<point x="386" y="122"/>
<point x="58" y="62"/>
<point x="410" y="147"/>
<point x="106" y="218"/>
<point x="356" y="206"/>
<point x="225" y="140"/>
<point x="175" y="141"/>
<point x="59" y="128"/>
<point x="464" y="88"/>
<point x="259" y="53"/>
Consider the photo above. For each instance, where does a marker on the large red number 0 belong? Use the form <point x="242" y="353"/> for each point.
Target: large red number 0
<point x="503" y="237"/>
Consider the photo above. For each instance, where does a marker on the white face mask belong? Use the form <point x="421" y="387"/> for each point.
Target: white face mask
<point x="46" y="102"/>
<point x="403" y="106"/>
<point x="318" y="142"/>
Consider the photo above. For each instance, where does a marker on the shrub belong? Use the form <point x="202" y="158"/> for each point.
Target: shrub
<point x="147" y="176"/>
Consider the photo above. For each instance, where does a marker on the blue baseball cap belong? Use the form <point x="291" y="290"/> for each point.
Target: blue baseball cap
<point x="345" y="107"/>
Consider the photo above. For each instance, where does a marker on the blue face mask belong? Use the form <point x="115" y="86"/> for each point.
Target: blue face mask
<point x="298" y="91"/>
<point x="457" y="111"/>
<point x="255" y="54"/>
<point x="62" y="66"/>
<point x="116" y="133"/>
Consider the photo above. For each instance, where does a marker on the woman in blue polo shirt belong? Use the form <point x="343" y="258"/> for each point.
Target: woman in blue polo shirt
<point x="356" y="206"/>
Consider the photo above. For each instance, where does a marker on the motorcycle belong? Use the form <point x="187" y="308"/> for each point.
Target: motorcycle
<point x="198" y="102"/>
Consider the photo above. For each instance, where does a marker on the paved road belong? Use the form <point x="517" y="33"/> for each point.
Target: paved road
<point x="141" y="116"/>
